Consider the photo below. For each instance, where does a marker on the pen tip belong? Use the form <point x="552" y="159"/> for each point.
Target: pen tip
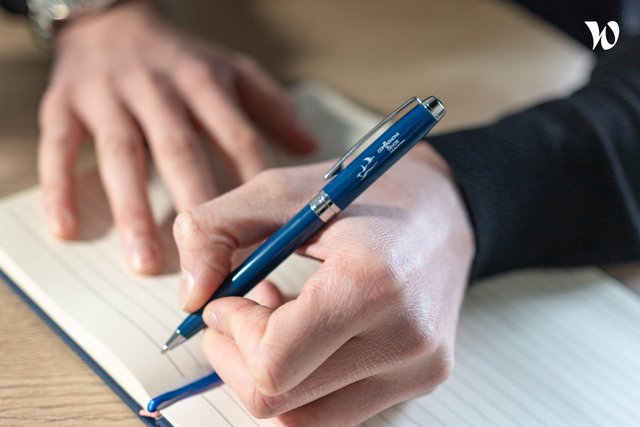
<point x="175" y="340"/>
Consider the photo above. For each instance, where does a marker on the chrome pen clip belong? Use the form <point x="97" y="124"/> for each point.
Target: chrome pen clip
<point x="339" y="165"/>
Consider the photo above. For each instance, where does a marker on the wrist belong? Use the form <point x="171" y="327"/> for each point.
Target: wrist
<point x="449" y="190"/>
<point x="121" y="13"/>
<point x="423" y="152"/>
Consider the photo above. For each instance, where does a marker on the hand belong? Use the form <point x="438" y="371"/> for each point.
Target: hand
<point x="373" y="327"/>
<point x="126" y="76"/>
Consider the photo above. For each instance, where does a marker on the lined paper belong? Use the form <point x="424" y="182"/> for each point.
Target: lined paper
<point x="535" y="348"/>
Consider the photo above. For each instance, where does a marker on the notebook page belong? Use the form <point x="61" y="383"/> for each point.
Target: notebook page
<point x="552" y="348"/>
<point x="119" y="318"/>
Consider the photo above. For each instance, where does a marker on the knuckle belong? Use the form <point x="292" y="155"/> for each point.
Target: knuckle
<point x="246" y="140"/>
<point x="53" y="140"/>
<point x="197" y="75"/>
<point x="186" y="231"/>
<point x="417" y="341"/>
<point x="240" y="313"/>
<point x="49" y="106"/>
<point x="118" y="144"/>
<point x="261" y="406"/>
<point x="443" y="367"/>
<point x="176" y="145"/>
<point x="200" y="72"/>
<point x="134" y="218"/>
<point x="268" y="374"/>
<point x="421" y="342"/>
<point x="374" y="280"/>
<point x="195" y="229"/>
<point x="277" y="180"/>
<point x="386" y="283"/>
<point x="144" y="76"/>
<point x="279" y="184"/>
<point x="438" y="371"/>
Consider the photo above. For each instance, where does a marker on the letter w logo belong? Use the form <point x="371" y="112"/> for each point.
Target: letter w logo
<point x="601" y="36"/>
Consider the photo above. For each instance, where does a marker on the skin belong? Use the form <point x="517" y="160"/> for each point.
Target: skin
<point x="380" y="314"/>
<point x="125" y="77"/>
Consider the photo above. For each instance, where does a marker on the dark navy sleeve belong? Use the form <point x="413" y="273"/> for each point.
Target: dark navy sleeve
<point x="15" y="6"/>
<point x="558" y="184"/>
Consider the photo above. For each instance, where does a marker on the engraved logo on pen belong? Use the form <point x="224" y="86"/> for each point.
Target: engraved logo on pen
<point x="600" y="37"/>
<point x="391" y="144"/>
<point x="366" y="167"/>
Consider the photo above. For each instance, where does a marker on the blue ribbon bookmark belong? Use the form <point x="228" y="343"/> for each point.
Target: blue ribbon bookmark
<point x="196" y="387"/>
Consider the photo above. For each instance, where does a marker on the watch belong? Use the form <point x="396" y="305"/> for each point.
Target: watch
<point x="45" y="15"/>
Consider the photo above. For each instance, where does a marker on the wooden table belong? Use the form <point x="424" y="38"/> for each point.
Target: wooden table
<point x="484" y="57"/>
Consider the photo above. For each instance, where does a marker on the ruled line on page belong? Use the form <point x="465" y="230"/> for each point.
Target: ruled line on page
<point x="63" y="262"/>
<point x="83" y="283"/>
<point x="581" y="370"/>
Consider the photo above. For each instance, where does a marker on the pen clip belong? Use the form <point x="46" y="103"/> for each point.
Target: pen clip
<point x="339" y="165"/>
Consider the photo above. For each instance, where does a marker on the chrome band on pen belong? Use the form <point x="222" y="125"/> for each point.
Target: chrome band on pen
<point x="323" y="206"/>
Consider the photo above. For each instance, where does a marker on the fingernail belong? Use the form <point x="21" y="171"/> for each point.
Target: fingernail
<point x="145" y="255"/>
<point x="186" y="288"/>
<point x="211" y="319"/>
<point x="61" y="223"/>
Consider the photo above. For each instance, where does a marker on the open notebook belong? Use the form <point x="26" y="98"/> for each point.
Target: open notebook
<point x="555" y="348"/>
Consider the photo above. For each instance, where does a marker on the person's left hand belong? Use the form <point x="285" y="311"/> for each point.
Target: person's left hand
<point x="373" y="327"/>
<point x="128" y="78"/>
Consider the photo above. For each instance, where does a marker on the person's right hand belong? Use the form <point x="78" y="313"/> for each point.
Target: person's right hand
<point x="380" y="313"/>
<point x="125" y="76"/>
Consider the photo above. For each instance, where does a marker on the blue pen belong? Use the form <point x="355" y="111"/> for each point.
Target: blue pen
<point x="347" y="184"/>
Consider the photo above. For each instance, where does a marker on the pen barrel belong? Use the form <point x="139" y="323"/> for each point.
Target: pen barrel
<point x="263" y="261"/>
<point x="270" y="254"/>
<point x="336" y="195"/>
<point x="380" y="156"/>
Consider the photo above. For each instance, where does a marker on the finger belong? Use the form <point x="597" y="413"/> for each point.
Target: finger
<point x="121" y="162"/>
<point x="213" y="102"/>
<point x="283" y="347"/>
<point x="271" y="107"/>
<point x="348" y="406"/>
<point x="181" y="159"/>
<point x="228" y="362"/>
<point x="266" y="294"/>
<point x="208" y="235"/>
<point x="61" y="134"/>
<point x="363" y="399"/>
<point x="354" y="403"/>
<point x="357" y="359"/>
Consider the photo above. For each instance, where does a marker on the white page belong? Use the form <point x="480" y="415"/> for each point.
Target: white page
<point x="549" y="349"/>
<point x="552" y="348"/>
<point x="119" y="318"/>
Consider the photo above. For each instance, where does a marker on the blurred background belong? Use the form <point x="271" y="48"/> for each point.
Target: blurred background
<point x="483" y="57"/>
